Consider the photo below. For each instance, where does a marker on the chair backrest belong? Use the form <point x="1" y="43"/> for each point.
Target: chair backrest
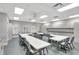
<point x="72" y="40"/>
<point x="23" y="39"/>
<point x="67" y="41"/>
<point x="45" y="38"/>
<point x="19" y="37"/>
<point x="27" y="44"/>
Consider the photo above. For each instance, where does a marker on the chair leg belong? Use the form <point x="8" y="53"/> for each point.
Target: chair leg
<point x="27" y="53"/>
<point x="47" y="50"/>
<point x="20" y="43"/>
<point x="68" y="47"/>
<point x="51" y="43"/>
<point x="64" y="48"/>
<point x="43" y="51"/>
<point x="65" y="51"/>
<point x="40" y="52"/>
<point x="73" y="45"/>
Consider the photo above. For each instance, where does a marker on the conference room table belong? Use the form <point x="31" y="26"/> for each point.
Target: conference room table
<point x="58" y="37"/>
<point x="54" y="35"/>
<point x="35" y="42"/>
<point x="40" y="33"/>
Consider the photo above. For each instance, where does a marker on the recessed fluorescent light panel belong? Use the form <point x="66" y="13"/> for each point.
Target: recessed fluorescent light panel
<point x="56" y="20"/>
<point x="44" y="16"/>
<point x="77" y="15"/>
<point x="18" y="10"/>
<point x="44" y="22"/>
<point x="16" y="18"/>
<point x="33" y="20"/>
<point x="73" y="5"/>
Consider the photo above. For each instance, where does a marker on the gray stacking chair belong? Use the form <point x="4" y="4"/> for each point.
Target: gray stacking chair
<point x="71" y="42"/>
<point x="29" y="49"/>
<point x="20" y="40"/>
<point x="65" y="45"/>
<point x="45" y="38"/>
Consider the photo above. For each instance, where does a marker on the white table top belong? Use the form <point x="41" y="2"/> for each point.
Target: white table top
<point x="54" y="35"/>
<point x="3" y="43"/>
<point x="36" y="43"/>
<point x="59" y="38"/>
<point x="40" y="33"/>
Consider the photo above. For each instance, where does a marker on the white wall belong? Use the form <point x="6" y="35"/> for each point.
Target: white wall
<point x="43" y="28"/>
<point x="64" y="24"/>
<point x="76" y="33"/>
<point x="24" y="27"/>
<point x="10" y="31"/>
<point x="3" y="31"/>
<point x="4" y="26"/>
<point x="69" y="23"/>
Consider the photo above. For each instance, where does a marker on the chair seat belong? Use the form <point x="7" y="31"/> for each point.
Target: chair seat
<point x="63" y="43"/>
<point x="34" y="51"/>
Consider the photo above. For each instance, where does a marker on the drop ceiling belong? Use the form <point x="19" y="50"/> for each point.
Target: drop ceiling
<point x="36" y="10"/>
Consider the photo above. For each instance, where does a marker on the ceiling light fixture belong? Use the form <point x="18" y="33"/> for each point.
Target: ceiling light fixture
<point x="44" y="22"/>
<point x="77" y="15"/>
<point x="16" y="18"/>
<point x="56" y="20"/>
<point x="58" y="4"/>
<point x="18" y="10"/>
<point x="44" y="16"/>
<point x="73" y="5"/>
<point x="33" y="20"/>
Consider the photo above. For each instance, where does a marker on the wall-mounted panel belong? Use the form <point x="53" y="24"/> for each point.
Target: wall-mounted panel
<point x="60" y="30"/>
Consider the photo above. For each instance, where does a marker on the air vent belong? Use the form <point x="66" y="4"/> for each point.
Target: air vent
<point x="55" y="16"/>
<point x="58" y="4"/>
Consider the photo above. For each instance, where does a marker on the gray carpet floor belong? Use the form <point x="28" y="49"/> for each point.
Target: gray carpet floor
<point x="13" y="48"/>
